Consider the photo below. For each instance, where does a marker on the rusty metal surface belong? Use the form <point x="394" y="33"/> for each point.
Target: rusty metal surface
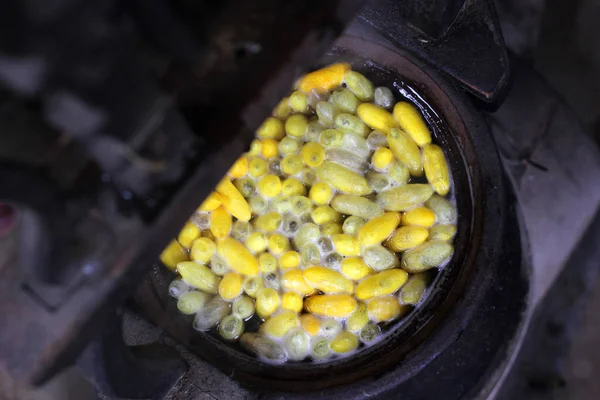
<point x="223" y="103"/>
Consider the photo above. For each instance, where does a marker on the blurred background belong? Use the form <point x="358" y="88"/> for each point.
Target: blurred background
<point x="560" y="357"/>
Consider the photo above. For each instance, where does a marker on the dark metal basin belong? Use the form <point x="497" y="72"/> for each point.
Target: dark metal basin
<point x="479" y="193"/>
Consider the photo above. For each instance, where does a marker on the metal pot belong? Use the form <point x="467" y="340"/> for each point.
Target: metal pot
<point x="418" y="339"/>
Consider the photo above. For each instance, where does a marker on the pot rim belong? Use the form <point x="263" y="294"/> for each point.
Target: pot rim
<point x="476" y="168"/>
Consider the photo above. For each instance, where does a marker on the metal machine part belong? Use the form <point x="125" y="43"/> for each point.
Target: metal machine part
<point x="461" y="38"/>
<point x="545" y="148"/>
